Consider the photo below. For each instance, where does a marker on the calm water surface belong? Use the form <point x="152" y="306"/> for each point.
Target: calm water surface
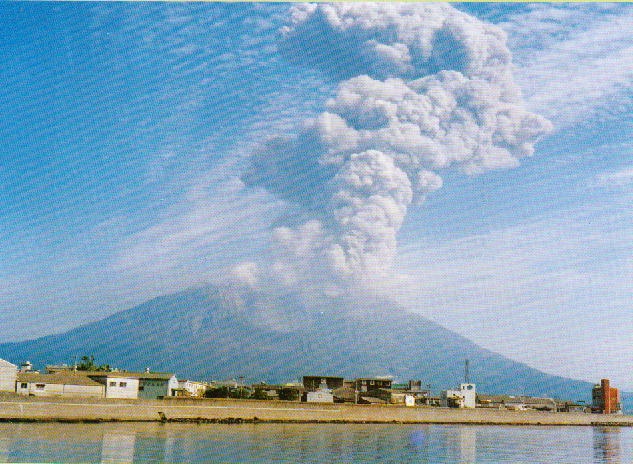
<point x="313" y="443"/>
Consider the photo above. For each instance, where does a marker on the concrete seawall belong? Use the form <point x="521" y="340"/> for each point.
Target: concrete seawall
<point x="14" y="408"/>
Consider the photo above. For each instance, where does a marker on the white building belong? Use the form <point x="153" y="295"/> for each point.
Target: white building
<point x="322" y="395"/>
<point x="465" y="397"/>
<point x="8" y="373"/>
<point x="132" y="385"/>
<point x="193" y="388"/>
<point x="33" y="384"/>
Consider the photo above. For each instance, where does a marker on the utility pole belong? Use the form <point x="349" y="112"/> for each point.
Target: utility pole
<point x="466" y="373"/>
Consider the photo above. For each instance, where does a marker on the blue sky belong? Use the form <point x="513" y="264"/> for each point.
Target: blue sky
<point x="127" y="129"/>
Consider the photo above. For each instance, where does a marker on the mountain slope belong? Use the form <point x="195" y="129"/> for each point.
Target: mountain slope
<point x="214" y="333"/>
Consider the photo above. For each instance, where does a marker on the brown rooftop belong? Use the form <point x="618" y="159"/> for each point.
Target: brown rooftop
<point x="6" y="363"/>
<point x="129" y="375"/>
<point x="57" y="379"/>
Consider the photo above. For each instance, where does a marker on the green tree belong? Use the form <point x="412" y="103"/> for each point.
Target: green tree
<point x="217" y="392"/>
<point x="260" y="394"/>
<point x="87" y="363"/>
<point x="240" y="393"/>
<point x="289" y="394"/>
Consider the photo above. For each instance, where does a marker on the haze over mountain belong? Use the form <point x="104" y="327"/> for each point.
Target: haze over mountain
<point x="221" y="332"/>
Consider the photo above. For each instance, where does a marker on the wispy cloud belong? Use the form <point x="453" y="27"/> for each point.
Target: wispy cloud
<point x="217" y="224"/>
<point x="574" y="61"/>
<point x="617" y="178"/>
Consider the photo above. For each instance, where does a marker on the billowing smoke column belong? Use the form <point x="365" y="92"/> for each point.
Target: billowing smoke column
<point x="422" y="87"/>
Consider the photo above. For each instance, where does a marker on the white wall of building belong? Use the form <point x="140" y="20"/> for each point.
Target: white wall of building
<point x="172" y="385"/>
<point x="97" y="391"/>
<point x="469" y="395"/>
<point x="22" y="388"/>
<point x="320" y="396"/>
<point x="8" y="373"/>
<point x="121" y="387"/>
<point x="55" y="389"/>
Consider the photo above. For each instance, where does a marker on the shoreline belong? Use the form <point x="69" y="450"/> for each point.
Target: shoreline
<point x="240" y="421"/>
<point x="14" y="409"/>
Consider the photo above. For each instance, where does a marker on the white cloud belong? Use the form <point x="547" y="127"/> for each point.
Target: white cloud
<point x="429" y="88"/>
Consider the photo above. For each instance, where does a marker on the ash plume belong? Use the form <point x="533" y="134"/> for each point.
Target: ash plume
<point x="421" y="88"/>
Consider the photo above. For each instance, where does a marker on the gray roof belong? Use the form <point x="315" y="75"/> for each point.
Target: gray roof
<point x="57" y="379"/>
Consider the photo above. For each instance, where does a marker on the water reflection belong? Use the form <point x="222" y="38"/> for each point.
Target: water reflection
<point x="169" y="448"/>
<point x="4" y="449"/>
<point x="314" y="443"/>
<point x="607" y="447"/>
<point x="118" y="447"/>
<point x="467" y="445"/>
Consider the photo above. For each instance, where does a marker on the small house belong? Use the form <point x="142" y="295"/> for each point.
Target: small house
<point x="192" y="388"/>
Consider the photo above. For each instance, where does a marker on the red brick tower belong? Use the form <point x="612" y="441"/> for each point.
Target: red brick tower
<point x="606" y="396"/>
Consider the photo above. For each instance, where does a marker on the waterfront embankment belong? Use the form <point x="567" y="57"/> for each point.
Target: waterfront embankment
<point x="16" y="408"/>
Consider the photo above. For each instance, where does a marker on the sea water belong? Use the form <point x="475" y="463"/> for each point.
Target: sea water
<point x="313" y="443"/>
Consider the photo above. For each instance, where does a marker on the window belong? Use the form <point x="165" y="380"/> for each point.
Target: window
<point x="122" y="384"/>
<point x="39" y="386"/>
<point x="113" y="384"/>
<point x="24" y="385"/>
<point x="141" y="388"/>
